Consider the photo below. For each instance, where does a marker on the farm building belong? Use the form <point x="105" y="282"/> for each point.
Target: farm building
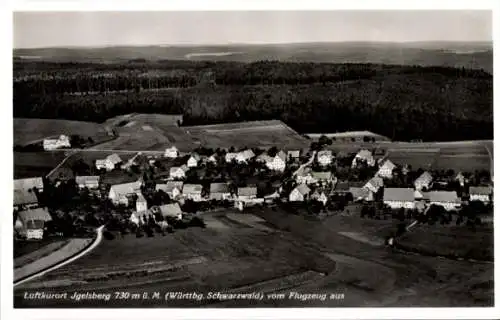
<point x="29" y="184"/>
<point x="170" y="210"/>
<point x="119" y="193"/>
<point x="109" y="163"/>
<point x="219" y="191"/>
<point x="447" y="199"/>
<point x="178" y="172"/>
<point x="374" y="184"/>
<point x="360" y="193"/>
<point x="171" y="152"/>
<point x="141" y="204"/>
<point x="385" y="170"/>
<point x="31" y="223"/>
<point x="245" y="156"/>
<point x="230" y="156"/>
<point x="53" y="144"/>
<point x="424" y="181"/>
<point x="321" y="176"/>
<point x="193" y="160"/>
<point x="247" y="193"/>
<point x="25" y="199"/>
<point x="193" y="191"/>
<point x="299" y="194"/>
<point x="89" y="182"/>
<point x="397" y="198"/>
<point x="277" y="163"/>
<point x="482" y="194"/>
<point x="363" y="156"/>
<point x="325" y="157"/>
<point x="172" y="188"/>
<point x="319" y="196"/>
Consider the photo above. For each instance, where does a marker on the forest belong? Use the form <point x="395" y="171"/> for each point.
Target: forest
<point x="401" y="102"/>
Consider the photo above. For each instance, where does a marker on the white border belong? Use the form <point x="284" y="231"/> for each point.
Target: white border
<point x="145" y="5"/>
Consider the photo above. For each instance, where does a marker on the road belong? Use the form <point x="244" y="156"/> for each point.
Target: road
<point x="302" y="166"/>
<point x="67" y="261"/>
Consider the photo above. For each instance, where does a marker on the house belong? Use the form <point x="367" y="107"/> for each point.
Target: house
<point x="324" y="157"/>
<point x="423" y="181"/>
<point x="293" y="154"/>
<point x="397" y="198"/>
<point x="119" y="193"/>
<point x="374" y="184"/>
<point x="171" y="210"/>
<point x="178" y="172"/>
<point x="192" y="191"/>
<point x="89" y="182"/>
<point x="219" y="191"/>
<point x="247" y="193"/>
<point x="53" y="144"/>
<point x="299" y="194"/>
<point x="363" y="156"/>
<point x="480" y="194"/>
<point x="25" y="199"/>
<point x="385" y="170"/>
<point x="447" y="199"/>
<point x="109" y="163"/>
<point x="320" y="196"/>
<point x="141" y="204"/>
<point x="278" y="163"/>
<point x="141" y="217"/>
<point x="264" y="158"/>
<point x="419" y="194"/>
<point x="213" y="158"/>
<point x="31" y="223"/>
<point x="245" y="156"/>
<point x="321" y="176"/>
<point x="230" y="156"/>
<point x="171" y="152"/>
<point x="29" y="184"/>
<point x="360" y="193"/>
<point x="172" y="188"/>
<point x="193" y="160"/>
<point x="304" y="175"/>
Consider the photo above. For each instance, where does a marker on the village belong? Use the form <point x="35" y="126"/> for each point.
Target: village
<point x="174" y="189"/>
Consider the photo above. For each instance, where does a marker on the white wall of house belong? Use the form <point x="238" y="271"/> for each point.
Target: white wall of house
<point x="295" y="195"/>
<point x="385" y="173"/>
<point x="174" y="193"/>
<point x="246" y="198"/>
<point x="307" y="179"/>
<point x="324" y="160"/>
<point x="419" y="185"/>
<point x="449" y="206"/>
<point x="134" y="219"/>
<point x="178" y="174"/>
<point x="141" y="206"/>
<point x="171" y="153"/>
<point x="193" y="196"/>
<point x="192" y="162"/>
<point x="480" y="197"/>
<point x="34" y="234"/>
<point x="277" y="164"/>
<point x="400" y="204"/>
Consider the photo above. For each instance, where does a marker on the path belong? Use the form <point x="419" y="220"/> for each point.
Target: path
<point x="66" y="261"/>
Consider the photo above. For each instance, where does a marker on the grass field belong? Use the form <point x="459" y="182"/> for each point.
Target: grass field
<point x="35" y="164"/>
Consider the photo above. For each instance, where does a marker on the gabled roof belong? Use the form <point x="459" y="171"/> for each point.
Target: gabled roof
<point x="86" y="179"/>
<point x="293" y="153"/>
<point x="483" y="190"/>
<point x="183" y="168"/>
<point x="23" y="196"/>
<point x="377" y="182"/>
<point x="192" y="188"/>
<point x="169" y="186"/>
<point x="170" y="210"/>
<point x="219" y="188"/>
<point x="247" y="191"/>
<point x="35" y="214"/>
<point x="443" y="196"/>
<point x="399" y="194"/>
<point x="364" y="154"/>
<point x="114" y="158"/>
<point x="388" y="165"/>
<point x="126" y="188"/>
<point x="28" y="183"/>
<point x="281" y="155"/>
<point x="247" y="154"/>
<point x="303" y="189"/>
<point x="359" y="192"/>
<point x="195" y="156"/>
<point x="264" y="157"/>
<point x="326" y="175"/>
<point x="172" y="148"/>
<point x="303" y="171"/>
<point x="425" y="177"/>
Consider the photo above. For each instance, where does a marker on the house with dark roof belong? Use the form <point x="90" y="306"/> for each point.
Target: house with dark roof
<point x="363" y="156"/>
<point x="192" y="191"/>
<point x="29" y="184"/>
<point x="25" y="199"/>
<point x="31" y="223"/>
<point x="447" y="199"/>
<point x="109" y="163"/>
<point x="247" y="193"/>
<point x="172" y="188"/>
<point x="219" y="191"/>
<point x="397" y="198"/>
<point x="482" y="193"/>
<point x="170" y="210"/>
<point x="360" y="194"/>
<point x="120" y="193"/>
<point x="89" y="182"/>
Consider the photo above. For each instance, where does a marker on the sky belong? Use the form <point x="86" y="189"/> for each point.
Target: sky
<point x="93" y="29"/>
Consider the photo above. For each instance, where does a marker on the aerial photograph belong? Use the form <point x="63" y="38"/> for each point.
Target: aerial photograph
<point x="253" y="159"/>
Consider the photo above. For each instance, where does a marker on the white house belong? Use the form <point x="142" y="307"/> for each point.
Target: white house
<point x="321" y="176"/>
<point x="109" y="163"/>
<point x="31" y="223"/>
<point x="361" y="193"/>
<point x="119" y="193"/>
<point x="447" y="199"/>
<point x="172" y="188"/>
<point x="264" y="158"/>
<point x="424" y="181"/>
<point x="212" y="158"/>
<point x="140" y="217"/>
<point x="178" y="172"/>
<point x="374" y="184"/>
<point x="230" y="156"/>
<point x="245" y="156"/>
<point x="397" y="198"/>
<point x="461" y="179"/>
<point x="219" y="191"/>
<point x="480" y="194"/>
<point x="193" y="160"/>
<point x="363" y="156"/>
<point x="171" y="152"/>
<point x="53" y="144"/>
<point x="89" y="182"/>
<point x="320" y="196"/>
<point x="247" y="193"/>
<point x="278" y="163"/>
<point x="300" y="193"/>
<point x="304" y="176"/>
<point x="192" y="191"/>
<point x="29" y="184"/>
<point x="385" y="170"/>
<point x="141" y="204"/>
<point x="325" y="157"/>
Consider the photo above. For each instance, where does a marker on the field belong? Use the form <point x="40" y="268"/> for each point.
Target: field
<point x="35" y="164"/>
<point x="263" y="134"/>
<point x="27" y="131"/>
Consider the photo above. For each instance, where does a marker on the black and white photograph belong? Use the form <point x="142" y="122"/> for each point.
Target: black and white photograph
<point x="252" y="159"/>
